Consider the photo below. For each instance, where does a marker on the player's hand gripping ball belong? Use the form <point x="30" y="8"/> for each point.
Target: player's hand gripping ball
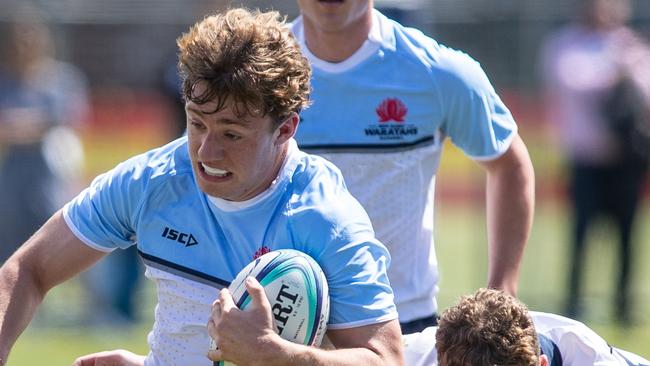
<point x="297" y="289"/>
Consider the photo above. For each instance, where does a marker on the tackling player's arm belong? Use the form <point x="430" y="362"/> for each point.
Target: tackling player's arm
<point x="510" y="190"/>
<point x="51" y="256"/>
<point x="238" y="332"/>
<point x="377" y="344"/>
<point x="118" y="357"/>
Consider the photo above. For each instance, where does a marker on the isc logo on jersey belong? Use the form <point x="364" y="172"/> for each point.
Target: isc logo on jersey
<point x="297" y="290"/>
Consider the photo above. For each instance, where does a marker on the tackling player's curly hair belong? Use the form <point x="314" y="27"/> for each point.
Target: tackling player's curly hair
<point x="247" y="57"/>
<point x="487" y="328"/>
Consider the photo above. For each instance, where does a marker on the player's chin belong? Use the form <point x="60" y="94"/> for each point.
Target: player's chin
<point x="217" y="190"/>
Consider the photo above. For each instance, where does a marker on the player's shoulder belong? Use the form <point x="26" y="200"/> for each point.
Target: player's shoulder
<point x="171" y="159"/>
<point x="413" y="43"/>
<point x="550" y="319"/>
<point x="319" y="194"/>
<point x="577" y="343"/>
<point x="409" y="44"/>
<point x="315" y="178"/>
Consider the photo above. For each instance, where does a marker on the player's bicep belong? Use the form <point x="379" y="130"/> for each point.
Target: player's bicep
<point x="54" y="254"/>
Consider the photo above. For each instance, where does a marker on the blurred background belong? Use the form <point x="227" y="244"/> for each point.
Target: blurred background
<point x="120" y="59"/>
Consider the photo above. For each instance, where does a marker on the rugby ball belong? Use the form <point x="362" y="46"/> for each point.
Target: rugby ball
<point x="297" y="289"/>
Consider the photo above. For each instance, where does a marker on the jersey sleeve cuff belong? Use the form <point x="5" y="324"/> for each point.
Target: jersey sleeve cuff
<point x="80" y="236"/>
<point x="361" y="323"/>
<point x="504" y="146"/>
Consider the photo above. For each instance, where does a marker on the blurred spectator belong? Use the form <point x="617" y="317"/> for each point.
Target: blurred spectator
<point x="41" y="99"/>
<point x="597" y="76"/>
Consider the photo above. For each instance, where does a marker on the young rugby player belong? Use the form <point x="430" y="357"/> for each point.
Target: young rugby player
<point x="202" y="207"/>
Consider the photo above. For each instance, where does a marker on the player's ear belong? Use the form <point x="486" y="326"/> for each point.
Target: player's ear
<point x="287" y="128"/>
<point x="543" y="361"/>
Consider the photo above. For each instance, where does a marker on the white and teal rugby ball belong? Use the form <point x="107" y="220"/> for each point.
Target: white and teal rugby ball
<point x="297" y="289"/>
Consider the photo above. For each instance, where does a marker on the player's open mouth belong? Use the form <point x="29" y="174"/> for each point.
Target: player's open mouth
<point x="215" y="172"/>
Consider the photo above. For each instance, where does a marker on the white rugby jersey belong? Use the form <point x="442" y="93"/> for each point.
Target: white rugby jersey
<point x="381" y="116"/>
<point x="579" y="345"/>
<point x="564" y="341"/>
<point x="194" y="245"/>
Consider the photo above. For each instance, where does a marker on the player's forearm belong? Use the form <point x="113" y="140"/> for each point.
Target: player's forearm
<point x="295" y="354"/>
<point x="510" y="206"/>
<point x="20" y="296"/>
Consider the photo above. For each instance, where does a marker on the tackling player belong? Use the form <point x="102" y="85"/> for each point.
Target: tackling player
<point x="493" y="328"/>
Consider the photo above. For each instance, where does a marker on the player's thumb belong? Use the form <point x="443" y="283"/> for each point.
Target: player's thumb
<point x="257" y="294"/>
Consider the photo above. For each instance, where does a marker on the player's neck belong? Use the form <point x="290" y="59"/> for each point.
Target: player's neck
<point x="336" y="46"/>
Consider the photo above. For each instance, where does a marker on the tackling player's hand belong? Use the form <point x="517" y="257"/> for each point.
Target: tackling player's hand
<point x="117" y="357"/>
<point x="237" y="333"/>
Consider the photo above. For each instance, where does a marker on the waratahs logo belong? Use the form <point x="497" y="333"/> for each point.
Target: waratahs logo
<point x="261" y="251"/>
<point x="391" y="109"/>
<point x="392" y="121"/>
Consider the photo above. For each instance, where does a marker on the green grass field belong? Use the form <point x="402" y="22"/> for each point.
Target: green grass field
<point x="57" y="338"/>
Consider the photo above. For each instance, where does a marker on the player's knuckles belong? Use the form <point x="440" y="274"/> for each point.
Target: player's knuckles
<point x="228" y="315"/>
<point x="225" y="296"/>
<point x="84" y="361"/>
<point x="216" y="305"/>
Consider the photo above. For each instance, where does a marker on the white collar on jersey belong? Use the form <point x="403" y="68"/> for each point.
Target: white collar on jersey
<point x="283" y="173"/>
<point x="369" y="47"/>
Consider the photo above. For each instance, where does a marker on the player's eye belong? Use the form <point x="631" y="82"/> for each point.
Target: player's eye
<point x="231" y="136"/>
<point x="197" y="124"/>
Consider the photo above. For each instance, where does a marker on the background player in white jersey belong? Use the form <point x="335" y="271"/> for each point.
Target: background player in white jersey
<point x="493" y="328"/>
<point x="384" y="99"/>
<point x="202" y="207"/>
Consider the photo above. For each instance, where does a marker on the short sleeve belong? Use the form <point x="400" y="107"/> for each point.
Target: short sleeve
<point x="104" y="215"/>
<point x="336" y="231"/>
<point x="476" y="119"/>
<point x="360" y="293"/>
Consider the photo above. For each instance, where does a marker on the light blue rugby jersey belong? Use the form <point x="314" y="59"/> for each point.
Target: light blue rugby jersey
<point x="381" y="116"/>
<point x="193" y="244"/>
<point x="439" y="88"/>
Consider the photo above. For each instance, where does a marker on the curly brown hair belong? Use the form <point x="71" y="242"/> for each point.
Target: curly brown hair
<point x="487" y="328"/>
<point x="247" y="57"/>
